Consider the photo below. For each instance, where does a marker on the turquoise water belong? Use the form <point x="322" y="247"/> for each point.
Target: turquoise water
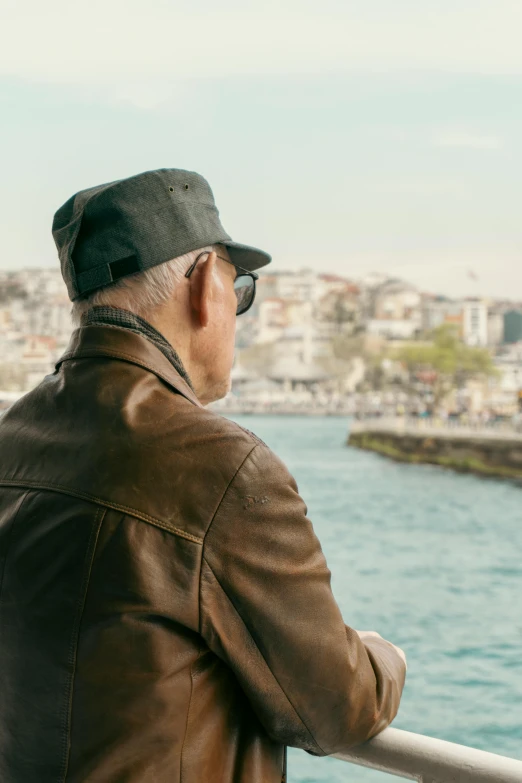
<point x="432" y="561"/>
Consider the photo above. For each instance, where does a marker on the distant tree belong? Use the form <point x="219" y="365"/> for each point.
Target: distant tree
<point x="375" y="377"/>
<point x="452" y="362"/>
<point x="11" y="289"/>
<point x="342" y="312"/>
<point x="338" y="308"/>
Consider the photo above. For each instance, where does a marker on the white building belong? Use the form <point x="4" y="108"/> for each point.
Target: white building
<point x="393" y="329"/>
<point x="439" y="310"/>
<point x="272" y="319"/>
<point x="495" y="327"/>
<point x="303" y="286"/>
<point x="276" y="315"/>
<point x="509" y="365"/>
<point x="396" y="300"/>
<point x="393" y="310"/>
<point x="475" y="322"/>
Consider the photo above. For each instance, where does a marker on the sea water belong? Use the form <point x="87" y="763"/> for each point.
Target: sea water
<point x="430" y="559"/>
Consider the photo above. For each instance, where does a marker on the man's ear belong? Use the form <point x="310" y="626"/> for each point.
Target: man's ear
<point x="202" y="289"/>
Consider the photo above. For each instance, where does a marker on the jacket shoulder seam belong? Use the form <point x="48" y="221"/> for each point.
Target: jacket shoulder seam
<point x="253" y="435"/>
<point x="236" y="472"/>
<point x="263" y="657"/>
<point x="133" y="512"/>
<point x="210" y="525"/>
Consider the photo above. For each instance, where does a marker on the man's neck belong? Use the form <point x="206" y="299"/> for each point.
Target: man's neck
<point x="117" y="316"/>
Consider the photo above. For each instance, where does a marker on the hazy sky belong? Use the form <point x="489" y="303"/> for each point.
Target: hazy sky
<point x="347" y="135"/>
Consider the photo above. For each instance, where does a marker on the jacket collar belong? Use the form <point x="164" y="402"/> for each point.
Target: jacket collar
<point x="118" y="343"/>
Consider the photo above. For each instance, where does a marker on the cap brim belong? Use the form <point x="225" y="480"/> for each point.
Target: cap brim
<point x="247" y="257"/>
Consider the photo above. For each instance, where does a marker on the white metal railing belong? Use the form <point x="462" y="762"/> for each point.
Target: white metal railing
<point x="430" y="760"/>
<point x="435" y="427"/>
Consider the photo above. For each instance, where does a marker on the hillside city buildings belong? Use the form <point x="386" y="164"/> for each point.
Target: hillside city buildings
<point x="310" y="338"/>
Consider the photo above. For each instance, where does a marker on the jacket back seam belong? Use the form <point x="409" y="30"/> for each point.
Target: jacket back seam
<point x="188" y="715"/>
<point x="3" y="561"/>
<point x="75" y="635"/>
<point x="133" y="512"/>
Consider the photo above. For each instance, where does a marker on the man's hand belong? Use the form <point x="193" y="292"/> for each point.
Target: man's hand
<point x="399" y="651"/>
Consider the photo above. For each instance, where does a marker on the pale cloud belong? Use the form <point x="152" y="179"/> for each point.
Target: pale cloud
<point x="425" y="186"/>
<point x="441" y="137"/>
<point x="133" y="49"/>
<point x="466" y="139"/>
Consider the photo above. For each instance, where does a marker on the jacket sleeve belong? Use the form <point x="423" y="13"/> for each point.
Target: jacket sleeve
<point x="267" y="610"/>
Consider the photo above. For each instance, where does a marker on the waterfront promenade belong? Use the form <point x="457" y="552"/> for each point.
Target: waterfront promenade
<point x="437" y="427"/>
<point x="493" y="450"/>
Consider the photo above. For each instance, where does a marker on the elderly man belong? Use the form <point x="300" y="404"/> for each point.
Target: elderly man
<point x="165" y="608"/>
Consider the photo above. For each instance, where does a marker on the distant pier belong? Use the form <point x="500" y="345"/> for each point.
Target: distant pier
<point x="494" y="451"/>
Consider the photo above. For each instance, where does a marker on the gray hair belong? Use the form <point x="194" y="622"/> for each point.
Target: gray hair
<point x="142" y="292"/>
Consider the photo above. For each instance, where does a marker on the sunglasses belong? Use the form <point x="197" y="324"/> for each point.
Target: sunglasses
<point x="244" y="283"/>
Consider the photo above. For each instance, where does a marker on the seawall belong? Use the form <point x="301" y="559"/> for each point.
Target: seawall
<point x="486" y="454"/>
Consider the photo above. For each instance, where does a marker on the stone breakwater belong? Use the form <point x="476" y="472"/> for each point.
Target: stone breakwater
<point x="495" y="454"/>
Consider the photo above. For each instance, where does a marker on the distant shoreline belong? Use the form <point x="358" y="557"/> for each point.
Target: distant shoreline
<point x="279" y="411"/>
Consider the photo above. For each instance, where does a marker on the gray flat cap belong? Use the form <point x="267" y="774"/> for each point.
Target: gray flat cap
<point x="113" y="230"/>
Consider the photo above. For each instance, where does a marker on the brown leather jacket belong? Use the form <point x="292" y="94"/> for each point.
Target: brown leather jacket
<point x="165" y="607"/>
